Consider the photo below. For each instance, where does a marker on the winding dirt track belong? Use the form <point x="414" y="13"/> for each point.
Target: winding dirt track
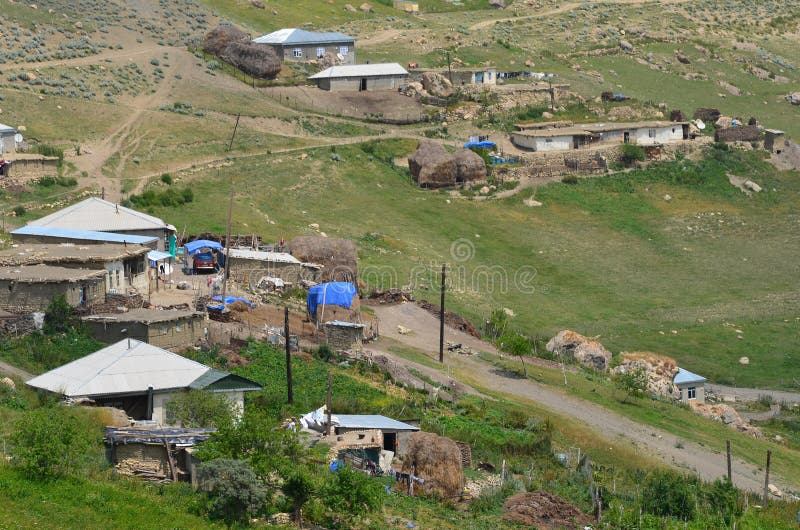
<point x="709" y="463"/>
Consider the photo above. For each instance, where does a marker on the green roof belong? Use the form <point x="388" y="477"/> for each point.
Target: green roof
<point x="219" y="381"/>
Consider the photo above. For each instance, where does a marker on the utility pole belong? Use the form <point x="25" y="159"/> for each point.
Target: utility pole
<point x="449" y="70"/>
<point x="236" y="126"/>
<point x="227" y="248"/>
<point x="290" y="395"/>
<point x="766" y="479"/>
<point x="728" y="451"/>
<point x="329" y="405"/>
<point x="441" y="318"/>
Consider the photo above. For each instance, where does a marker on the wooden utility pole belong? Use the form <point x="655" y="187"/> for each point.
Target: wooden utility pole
<point x="235" y="126"/>
<point x="290" y="391"/>
<point x="227" y="248"/>
<point x="728" y="451"/>
<point x="441" y="319"/>
<point x="449" y="70"/>
<point x="766" y="479"/>
<point x="329" y="405"/>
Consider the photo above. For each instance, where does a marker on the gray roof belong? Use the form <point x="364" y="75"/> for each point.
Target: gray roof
<point x="372" y="421"/>
<point x="127" y="367"/>
<point x="361" y="70"/>
<point x="259" y="255"/>
<point x="147" y="316"/>
<point x="7" y="129"/>
<point x="33" y="253"/>
<point x="290" y="36"/>
<point x="83" y="235"/>
<point x="685" y="376"/>
<point x="101" y="215"/>
<point x="48" y="274"/>
<point x="342" y="324"/>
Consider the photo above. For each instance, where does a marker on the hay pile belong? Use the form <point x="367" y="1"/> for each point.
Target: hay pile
<point x="659" y="369"/>
<point x="432" y="166"/>
<point x="233" y="46"/>
<point x="707" y="115"/>
<point x="470" y="167"/>
<point x="437" y="460"/>
<point x="338" y="256"/>
<point x="218" y="39"/>
<point x="543" y="510"/>
<point x="745" y="133"/>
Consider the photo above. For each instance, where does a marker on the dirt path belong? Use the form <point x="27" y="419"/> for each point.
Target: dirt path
<point x="752" y="394"/>
<point x="13" y="371"/>
<point x="707" y="462"/>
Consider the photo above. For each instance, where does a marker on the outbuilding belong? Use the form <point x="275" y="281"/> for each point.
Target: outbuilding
<point x="292" y="44"/>
<point x="691" y="386"/>
<point x="361" y="77"/>
<point x="53" y="234"/>
<point x="344" y="335"/>
<point x="29" y="288"/>
<point x="395" y="433"/>
<point x="250" y="267"/>
<point x="171" y="329"/>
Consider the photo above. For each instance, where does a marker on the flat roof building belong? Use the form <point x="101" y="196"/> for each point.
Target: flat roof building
<point x="361" y="77"/>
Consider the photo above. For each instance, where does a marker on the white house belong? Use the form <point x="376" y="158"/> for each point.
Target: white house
<point x="562" y="139"/>
<point x="140" y="379"/>
<point x="574" y="137"/>
<point x="691" y="386"/>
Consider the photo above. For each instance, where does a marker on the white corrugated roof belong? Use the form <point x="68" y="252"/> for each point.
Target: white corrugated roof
<point x="685" y="376"/>
<point x="7" y="128"/>
<point x="290" y="36"/>
<point x="259" y="255"/>
<point x="117" y="369"/>
<point x="361" y="70"/>
<point x="372" y="421"/>
<point x="95" y="213"/>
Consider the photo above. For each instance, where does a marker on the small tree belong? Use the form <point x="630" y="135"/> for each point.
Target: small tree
<point x="497" y="323"/>
<point x="59" y="317"/>
<point x="298" y="488"/>
<point x="234" y="491"/>
<point x="633" y="382"/>
<point x="517" y="344"/>
<point x="669" y="494"/>
<point x="348" y="491"/>
<point x="198" y="408"/>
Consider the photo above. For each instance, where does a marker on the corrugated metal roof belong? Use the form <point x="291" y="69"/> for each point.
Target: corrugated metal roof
<point x="7" y="128"/>
<point x="343" y="324"/>
<point x="372" y="421"/>
<point x="84" y="235"/>
<point x="289" y="36"/>
<point x="157" y="255"/>
<point x="685" y="376"/>
<point x="361" y="70"/>
<point x="259" y="255"/>
<point x="118" y="369"/>
<point x="98" y="214"/>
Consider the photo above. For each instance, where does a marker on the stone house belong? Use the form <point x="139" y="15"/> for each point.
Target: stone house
<point x="691" y="386"/>
<point x="344" y="335"/>
<point x="8" y="143"/>
<point x="140" y="379"/>
<point x="592" y="134"/>
<point x="395" y="433"/>
<point x="361" y="77"/>
<point x="171" y="329"/>
<point x="248" y="267"/>
<point x="29" y="288"/>
<point x="292" y="44"/>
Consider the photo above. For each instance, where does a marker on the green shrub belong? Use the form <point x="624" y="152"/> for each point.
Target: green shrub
<point x="569" y="179"/>
<point x="166" y="178"/>
<point x="198" y="408"/>
<point x="351" y="492"/>
<point x="19" y="210"/>
<point x="234" y="492"/>
<point x="632" y="153"/>
<point x="49" y="150"/>
<point x="59" y="317"/>
<point x="667" y="493"/>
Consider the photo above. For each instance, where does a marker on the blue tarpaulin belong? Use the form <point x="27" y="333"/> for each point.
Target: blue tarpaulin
<point x="228" y="301"/>
<point x="484" y="145"/>
<point x="331" y="293"/>
<point x="193" y="247"/>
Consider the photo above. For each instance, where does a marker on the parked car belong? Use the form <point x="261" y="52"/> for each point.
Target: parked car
<point x="204" y="261"/>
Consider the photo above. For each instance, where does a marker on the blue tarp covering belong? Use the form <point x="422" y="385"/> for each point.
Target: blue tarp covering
<point x="485" y="145"/>
<point x="332" y="293"/>
<point x="194" y="246"/>
<point x="228" y="301"/>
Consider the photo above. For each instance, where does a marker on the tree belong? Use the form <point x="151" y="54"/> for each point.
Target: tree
<point x="59" y="317"/>
<point x="632" y="153"/>
<point x="517" y="344"/>
<point x="351" y="492"/>
<point x="497" y="323"/>
<point x="49" y="442"/>
<point x="633" y="381"/>
<point x="234" y="491"/>
<point x="199" y="408"/>
<point x="298" y="488"/>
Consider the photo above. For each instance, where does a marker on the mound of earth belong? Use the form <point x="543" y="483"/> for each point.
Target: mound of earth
<point x="453" y="320"/>
<point x="587" y="352"/>
<point x="543" y="510"/>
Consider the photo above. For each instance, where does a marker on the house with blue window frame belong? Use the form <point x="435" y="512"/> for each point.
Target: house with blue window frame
<point x="691" y="386"/>
<point x="292" y="44"/>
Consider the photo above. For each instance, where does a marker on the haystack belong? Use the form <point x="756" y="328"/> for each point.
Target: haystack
<point x="744" y="133"/>
<point x="219" y="38"/>
<point x="470" y="167"/>
<point x="437" y="460"/>
<point x="543" y="510"/>
<point x="432" y="166"/>
<point x="253" y="59"/>
<point x="338" y="256"/>
<point x="709" y="115"/>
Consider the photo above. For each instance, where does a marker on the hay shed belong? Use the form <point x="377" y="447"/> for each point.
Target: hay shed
<point x="432" y="166"/>
<point x="470" y="167"/>
<point x="337" y="256"/>
<point x="436" y="462"/>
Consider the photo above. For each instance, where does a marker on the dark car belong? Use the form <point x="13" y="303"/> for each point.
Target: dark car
<point x="204" y="261"/>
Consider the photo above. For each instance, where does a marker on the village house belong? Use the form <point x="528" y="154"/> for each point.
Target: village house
<point x="589" y="134"/>
<point x="140" y="379"/>
<point x="124" y="266"/>
<point x="29" y="288"/>
<point x="54" y="235"/>
<point x="249" y="267"/>
<point x="395" y="433"/>
<point x="344" y="335"/>
<point x="100" y="215"/>
<point x="462" y="76"/>
<point x="8" y="142"/>
<point x="361" y="77"/>
<point x="292" y="44"/>
<point x="774" y="141"/>
<point x="691" y="386"/>
<point x="17" y="165"/>
<point x="171" y="329"/>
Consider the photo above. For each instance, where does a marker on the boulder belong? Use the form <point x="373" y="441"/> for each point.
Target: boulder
<point x="437" y="84"/>
<point x="349" y="7"/>
<point x="366" y="8"/>
<point x="744" y="361"/>
<point x="626" y="46"/>
<point x="7" y="381"/>
<point x="470" y="167"/>
<point x="659" y="369"/>
<point x="727" y="415"/>
<point x="587" y="352"/>
<point x="432" y="166"/>
<point x="258" y="4"/>
<point x="681" y="57"/>
<point x="793" y="98"/>
<point x="497" y="4"/>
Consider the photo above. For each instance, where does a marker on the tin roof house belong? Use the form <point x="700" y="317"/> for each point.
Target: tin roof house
<point x="292" y="44"/>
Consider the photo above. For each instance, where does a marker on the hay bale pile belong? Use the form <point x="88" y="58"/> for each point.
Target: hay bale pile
<point x="437" y="460"/>
<point x="233" y="46"/>
<point x="659" y="369"/>
<point x="543" y="510"/>
<point x="338" y="256"/>
<point x="432" y="166"/>
<point x="587" y="352"/>
<point x="707" y="114"/>
<point x="744" y="133"/>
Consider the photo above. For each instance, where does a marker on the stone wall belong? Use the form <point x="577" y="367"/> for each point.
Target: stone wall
<point x="247" y="272"/>
<point x="21" y="324"/>
<point x="344" y="337"/>
<point x="22" y="297"/>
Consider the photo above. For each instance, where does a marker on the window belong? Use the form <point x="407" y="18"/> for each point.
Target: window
<point x="344" y="50"/>
<point x="691" y="393"/>
<point x="178" y="327"/>
<point x="298" y="53"/>
<point x="548" y="140"/>
<point x="320" y="52"/>
<point x="651" y="133"/>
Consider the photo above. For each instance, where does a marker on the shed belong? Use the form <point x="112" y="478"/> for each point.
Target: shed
<point x="54" y="234"/>
<point x="8" y="143"/>
<point x="171" y="329"/>
<point x="249" y="267"/>
<point x="100" y="215"/>
<point x="29" y="288"/>
<point x="344" y="335"/>
<point x="140" y="379"/>
<point x="773" y="140"/>
<point x="292" y="44"/>
<point x="691" y="386"/>
<point x="395" y="433"/>
<point x="361" y="77"/>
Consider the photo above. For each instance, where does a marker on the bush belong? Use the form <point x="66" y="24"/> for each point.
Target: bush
<point x="233" y="490"/>
<point x="632" y="153"/>
<point x="49" y="150"/>
<point x="723" y="499"/>
<point x="351" y="492"/>
<point x="667" y="493"/>
<point x="198" y="408"/>
<point x="569" y="179"/>
<point x="19" y="210"/>
<point x="59" y="317"/>
<point x="166" y="178"/>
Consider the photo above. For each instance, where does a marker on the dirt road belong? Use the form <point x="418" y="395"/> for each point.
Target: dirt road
<point x="708" y="463"/>
<point x="13" y="371"/>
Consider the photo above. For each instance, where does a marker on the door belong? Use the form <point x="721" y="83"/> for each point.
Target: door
<point x="626" y="137"/>
<point x="363" y="86"/>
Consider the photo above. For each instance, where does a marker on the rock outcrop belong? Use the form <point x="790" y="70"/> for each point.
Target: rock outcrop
<point x="660" y="372"/>
<point x="587" y="352"/>
<point x="437" y="84"/>
<point x="727" y="415"/>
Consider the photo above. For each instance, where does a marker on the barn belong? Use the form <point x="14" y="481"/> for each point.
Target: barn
<point x="361" y="77"/>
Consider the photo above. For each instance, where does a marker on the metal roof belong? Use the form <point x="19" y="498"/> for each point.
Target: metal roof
<point x="361" y="70"/>
<point x="607" y="127"/>
<point x="552" y="133"/>
<point x="372" y="421"/>
<point x="289" y="36"/>
<point x="127" y="367"/>
<point x="95" y="213"/>
<point x="7" y="128"/>
<point x="157" y="255"/>
<point x="83" y="235"/>
<point x="685" y="376"/>
<point x="48" y="274"/>
<point x="259" y="255"/>
<point x="342" y="324"/>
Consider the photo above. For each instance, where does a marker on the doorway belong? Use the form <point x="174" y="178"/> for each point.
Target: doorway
<point x="363" y="85"/>
<point x="626" y="137"/>
<point x="389" y="441"/>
